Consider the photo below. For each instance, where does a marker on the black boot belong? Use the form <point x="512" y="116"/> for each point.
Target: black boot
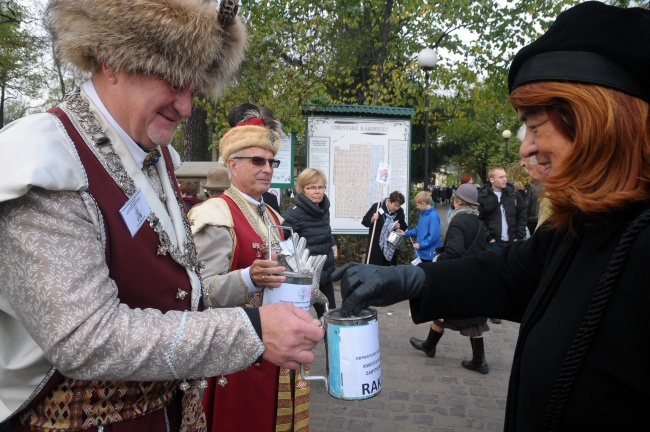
<point x="477" y="363"/>
<point x="429" y="345"/>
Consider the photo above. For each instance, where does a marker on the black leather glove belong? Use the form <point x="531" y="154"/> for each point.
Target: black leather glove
<point x="365" y="285"/>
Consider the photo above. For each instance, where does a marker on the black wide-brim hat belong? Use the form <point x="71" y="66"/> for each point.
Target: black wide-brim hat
<point x="591" y="43"/>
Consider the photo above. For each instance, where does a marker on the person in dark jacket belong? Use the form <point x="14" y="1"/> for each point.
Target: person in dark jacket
<point x="380" y="219"/>
<point x="309" y="216"/>
<point x="272" y="200"/>
<point x="500" y="203"/>
<point x="502" y="206"/>
<point x="465" y="237"/>
<point x="579" y="285"/>
<point x="535" y="173"/>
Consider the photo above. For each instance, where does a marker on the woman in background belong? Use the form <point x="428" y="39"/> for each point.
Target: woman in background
<point x="388" y="217"/>
<point x="309" y="216"/>
<point x="465" y="237"/>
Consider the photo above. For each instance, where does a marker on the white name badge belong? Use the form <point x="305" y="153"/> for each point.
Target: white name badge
<point x="135" y="212"/>
<point x="380" y="211"/>
<point x="416" y="261"/>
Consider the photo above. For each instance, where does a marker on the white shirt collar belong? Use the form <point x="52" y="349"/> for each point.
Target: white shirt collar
<point x="136" y="151"/>
<point x="250" y="198"/>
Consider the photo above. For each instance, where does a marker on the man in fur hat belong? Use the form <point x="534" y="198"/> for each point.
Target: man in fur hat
<point x="101" y="315"/>
<point x="232" y="236"/>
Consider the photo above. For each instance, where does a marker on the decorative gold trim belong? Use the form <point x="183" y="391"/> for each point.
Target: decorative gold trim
<point x="83" y="116"/>
<point x="254" y="219"/>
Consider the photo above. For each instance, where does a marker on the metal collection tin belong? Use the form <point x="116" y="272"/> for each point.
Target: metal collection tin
<point x="353" y="357"/>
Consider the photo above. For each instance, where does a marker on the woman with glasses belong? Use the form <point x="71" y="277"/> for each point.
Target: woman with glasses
<point x="309" y="216"/>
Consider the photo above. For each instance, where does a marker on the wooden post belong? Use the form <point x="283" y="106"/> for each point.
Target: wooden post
<point x="374" y="226"/>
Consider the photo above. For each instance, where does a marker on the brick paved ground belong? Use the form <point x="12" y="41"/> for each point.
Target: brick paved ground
<point x="419" y="393"/>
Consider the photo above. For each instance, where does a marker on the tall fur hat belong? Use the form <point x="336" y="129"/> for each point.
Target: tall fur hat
<point x="242" y="137"/>
<point x="253" y="126"/>
<point x="186" y="42"/>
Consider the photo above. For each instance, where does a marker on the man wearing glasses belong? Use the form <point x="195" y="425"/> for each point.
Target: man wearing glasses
<point x="232" y="237"/>
<point x="102" y="322"/>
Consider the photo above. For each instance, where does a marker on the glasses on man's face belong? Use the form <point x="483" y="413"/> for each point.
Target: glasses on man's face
<point x="316" y="188"/>
<point x="260" y="161"/>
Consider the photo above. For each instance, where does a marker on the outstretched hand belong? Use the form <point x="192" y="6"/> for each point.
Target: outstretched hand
<point x="290" y="335"/>
<point x="365" y="285"/>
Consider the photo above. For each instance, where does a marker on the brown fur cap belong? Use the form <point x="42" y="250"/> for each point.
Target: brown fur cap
<point x="241" y="137"/>
<point x="186" y="42"/>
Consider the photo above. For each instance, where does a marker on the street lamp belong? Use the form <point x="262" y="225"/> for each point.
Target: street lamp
<point x="506" y="136"/>
<point x="427" y="59"/>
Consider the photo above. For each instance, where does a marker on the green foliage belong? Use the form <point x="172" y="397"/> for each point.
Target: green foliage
<point x="20" y="71"/>
<point x="630" y="3"/>
<point x="352" y="248"/>
<point x="364" y="52"/>
<point x="354" y="52"/>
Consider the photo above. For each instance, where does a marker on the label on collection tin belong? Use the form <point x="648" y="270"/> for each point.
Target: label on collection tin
<point x="355" y="350"/>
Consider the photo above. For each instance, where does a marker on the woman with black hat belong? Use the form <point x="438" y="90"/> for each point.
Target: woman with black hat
<point x="465" y="236"/>
<point x="579" y="286"/>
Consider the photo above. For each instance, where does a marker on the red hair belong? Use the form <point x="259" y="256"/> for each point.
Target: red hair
<point x="609" y="167"/>
<point x="465" y="178"/>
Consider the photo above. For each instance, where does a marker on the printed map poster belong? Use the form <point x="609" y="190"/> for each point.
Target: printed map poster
<point x="350" y="151"/>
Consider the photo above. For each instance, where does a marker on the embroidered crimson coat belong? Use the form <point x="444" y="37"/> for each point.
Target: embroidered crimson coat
<point x="230" y="234"/>
<point x="59" y="297"/>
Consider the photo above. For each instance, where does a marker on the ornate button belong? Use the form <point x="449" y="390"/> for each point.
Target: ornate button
<point x="180" y="294"/>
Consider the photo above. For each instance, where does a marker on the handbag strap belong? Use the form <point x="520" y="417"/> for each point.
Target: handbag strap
<point x="478" y="233"/>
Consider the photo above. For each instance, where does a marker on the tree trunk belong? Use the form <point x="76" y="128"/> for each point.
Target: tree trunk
<point x="2" y="106"/>
<point x="196" y="137"/>
<point x="59" y="72"/>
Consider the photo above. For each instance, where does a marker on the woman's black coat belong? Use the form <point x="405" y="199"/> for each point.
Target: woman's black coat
<point x="377" y="255"/>
<point x="465" y="237"/>
<point x="312" y="221"/>
<point x="547" y="284"/>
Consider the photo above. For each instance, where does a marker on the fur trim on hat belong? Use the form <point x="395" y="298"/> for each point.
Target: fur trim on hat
<point x="241" y="137"/>
<point x="186" y="42"/>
